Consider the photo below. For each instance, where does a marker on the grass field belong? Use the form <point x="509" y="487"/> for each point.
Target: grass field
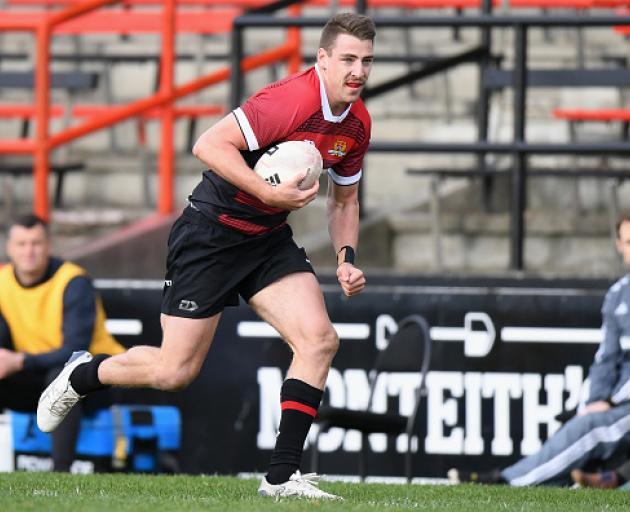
<point x="113" y="493"/>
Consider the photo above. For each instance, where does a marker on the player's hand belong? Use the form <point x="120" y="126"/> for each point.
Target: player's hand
<point x="350" y="278"/>
<point x="597" y="406"/>
<point x="10" y="362"/>
<point x="288" y="196"/>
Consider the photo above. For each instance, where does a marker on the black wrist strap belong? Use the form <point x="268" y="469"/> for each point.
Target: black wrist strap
<point x="345" y="255"/>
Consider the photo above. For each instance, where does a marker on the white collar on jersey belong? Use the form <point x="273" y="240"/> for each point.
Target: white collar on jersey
<point x="328" y="115"/>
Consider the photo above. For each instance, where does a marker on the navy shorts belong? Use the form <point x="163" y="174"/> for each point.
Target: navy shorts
<point x="209" y="265"/>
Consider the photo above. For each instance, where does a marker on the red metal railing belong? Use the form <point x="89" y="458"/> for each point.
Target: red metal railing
<point x="44" y="142"/>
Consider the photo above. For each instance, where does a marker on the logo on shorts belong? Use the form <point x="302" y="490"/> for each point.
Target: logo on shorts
<point x="168" y="282"/>
<point x="188" y="305"/>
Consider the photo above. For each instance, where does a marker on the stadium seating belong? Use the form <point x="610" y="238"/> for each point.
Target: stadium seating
<point x="68" y="81"/>
<point x="604" y="114"/>
<point x="105" y="21"/>
<point x="121" y="21"/>
<point x="27" y="112"/>
<point x="568" y="4"/>
<point x="248" y="4"/>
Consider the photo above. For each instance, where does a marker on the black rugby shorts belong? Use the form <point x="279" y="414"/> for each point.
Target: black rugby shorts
<point x="209" y="266"/>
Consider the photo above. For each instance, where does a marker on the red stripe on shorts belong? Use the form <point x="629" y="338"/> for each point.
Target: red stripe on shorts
<point x="297" y="406"/>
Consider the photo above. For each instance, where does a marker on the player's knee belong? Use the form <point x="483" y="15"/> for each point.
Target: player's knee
<point x="326" y="344"/>
<point x="174" y="378"/>
<point x="582" y="424"/>
<point x="331" y="341"/>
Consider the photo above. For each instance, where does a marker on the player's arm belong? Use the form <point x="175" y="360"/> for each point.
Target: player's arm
<point x="604" y="373"/>
<point x="10" y="361"/>
<point x="219" y="148"/>
<point x="5" y="334"/>
<point x="343" y="227"/>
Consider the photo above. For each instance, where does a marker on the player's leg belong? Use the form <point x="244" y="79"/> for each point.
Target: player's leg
<point x="21" y="391"/>
<point x="197" y="289"/>
<point x="295" y="307"/>
<point x="170" y="367"/>
<point x="63" y="439"/>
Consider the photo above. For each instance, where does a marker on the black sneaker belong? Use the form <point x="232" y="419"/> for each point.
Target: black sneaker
<point x="459" y="476"/>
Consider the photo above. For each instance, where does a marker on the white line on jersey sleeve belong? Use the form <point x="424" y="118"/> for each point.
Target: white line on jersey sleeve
<point x="344" y="180"/>
<point x="250" y="137"/>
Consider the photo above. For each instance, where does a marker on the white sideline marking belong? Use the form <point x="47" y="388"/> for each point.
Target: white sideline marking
<point x="395" y="480"/>
<point x="264" y="330"/>
<point x="124" y="327"/>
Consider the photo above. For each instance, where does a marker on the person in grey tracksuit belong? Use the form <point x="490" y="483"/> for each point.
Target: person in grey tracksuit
<point x="604" y="423"/>
<point x="603" y="426"/>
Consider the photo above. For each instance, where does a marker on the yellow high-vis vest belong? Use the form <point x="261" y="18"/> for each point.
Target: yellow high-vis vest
<point x="35" y="314"/>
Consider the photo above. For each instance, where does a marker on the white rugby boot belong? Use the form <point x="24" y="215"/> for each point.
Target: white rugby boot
<point x="59" y="397"/>
<point x="298" y="486"/>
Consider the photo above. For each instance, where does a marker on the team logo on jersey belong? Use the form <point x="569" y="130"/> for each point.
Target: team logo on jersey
<point x="340" y="148"/>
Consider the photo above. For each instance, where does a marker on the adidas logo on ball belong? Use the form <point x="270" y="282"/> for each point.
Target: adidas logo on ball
<point x="273" y="180"/>
<point x="283" y="161"/>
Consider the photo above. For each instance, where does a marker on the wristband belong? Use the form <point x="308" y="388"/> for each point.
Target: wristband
<point x="345" y="255"/>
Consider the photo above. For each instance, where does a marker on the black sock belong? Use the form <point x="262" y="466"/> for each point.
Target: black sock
<point x="84" y="378"/>
<point x="299" y="403"/>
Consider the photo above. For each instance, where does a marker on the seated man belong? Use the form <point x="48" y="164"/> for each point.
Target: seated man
<point x="603" y="425"/>
<point x="48" y="309"/>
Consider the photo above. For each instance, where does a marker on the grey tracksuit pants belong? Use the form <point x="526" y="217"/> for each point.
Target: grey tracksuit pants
<point x="582" y="438"/>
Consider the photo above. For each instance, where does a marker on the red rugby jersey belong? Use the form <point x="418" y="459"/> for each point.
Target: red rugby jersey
<point x="295" y="108"/>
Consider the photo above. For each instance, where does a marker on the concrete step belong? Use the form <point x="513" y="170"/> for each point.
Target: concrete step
<point x="474" y="242"/>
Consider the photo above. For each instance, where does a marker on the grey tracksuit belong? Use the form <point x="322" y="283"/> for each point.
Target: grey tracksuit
<point x="595" y="435"/>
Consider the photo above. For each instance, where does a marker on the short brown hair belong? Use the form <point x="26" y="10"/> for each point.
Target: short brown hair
<point x="357" y="25"/>
<point x="28" y="221"/>
<point x="624" y="216"/>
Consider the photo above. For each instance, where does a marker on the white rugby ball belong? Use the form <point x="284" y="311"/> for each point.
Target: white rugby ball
<point x="283" y="161"/>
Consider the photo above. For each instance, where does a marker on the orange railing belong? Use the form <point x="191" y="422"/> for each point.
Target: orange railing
<point x="410" y="4"/>
<point x="45" y="142"/>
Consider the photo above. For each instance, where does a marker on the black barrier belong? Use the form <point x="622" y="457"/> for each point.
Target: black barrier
<point x="509" y="355"/>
